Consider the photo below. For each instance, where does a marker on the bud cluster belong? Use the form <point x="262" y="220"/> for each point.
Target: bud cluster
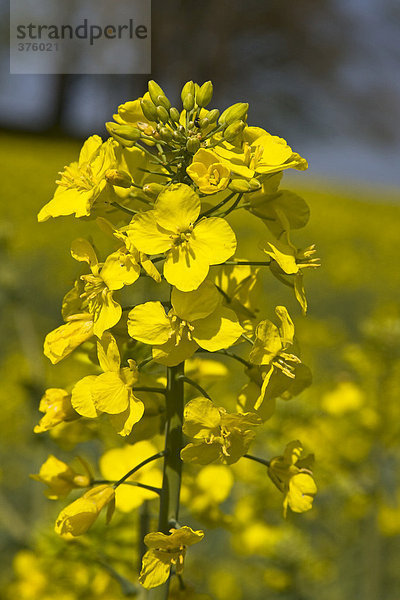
<point x="181" y="134"/>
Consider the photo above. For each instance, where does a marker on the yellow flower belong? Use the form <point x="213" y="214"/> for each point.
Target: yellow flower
<point x="57" y="408"/>
<point x="260" y="154"/>
<point x="208" y="173"/>
<point x="82" y="182"/>
<point x="255" y="395"/>
<point x="166" y="551"/>
<point x="119" y="269"/>
<point x="293" y="477"/>
<point x="195" y="319"/>
<point x="270" y="347"/>
<point x="217" y="434"/>
<point x="190" y="247"/>
<point x="76" y="518"/>
<point x="60" y="478"/>
<point x="60" y="342"/>
<point x="111" y="392"/>
<point x="118" y="461"/>
<point x="130" y="113"/>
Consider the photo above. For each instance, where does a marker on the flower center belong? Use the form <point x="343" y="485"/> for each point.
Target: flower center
<point x="79" y="178"/>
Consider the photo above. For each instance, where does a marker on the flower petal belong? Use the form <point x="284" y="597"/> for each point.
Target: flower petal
<point x="219" y="330"/>
<point x="201" y="416"/>
<point x="177" y="207"/>
<point x="196" y="304"/>
<point x="82" y="398"/>
<point x="110" y="394"/>
<point x="149" y="324"/>
<point x="214" y="238"/>
<point x="146" y="235"/>
<point x="184" y="268"/>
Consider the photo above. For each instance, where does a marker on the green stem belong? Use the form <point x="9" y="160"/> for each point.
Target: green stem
<point x="257" y="459"/>
<point x="194" y="384"/>
<point x="171" y="486"/>
<point x="139" y="466"/>
<point x="217" y="206"/>
<point x="256" y="263"/>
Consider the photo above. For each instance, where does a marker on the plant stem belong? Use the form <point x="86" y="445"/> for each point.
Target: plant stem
<point x="171" y="486"/>
<point x="262" y="461"/>
<point x="194" y="384"/>
<point x="139" y="466"/>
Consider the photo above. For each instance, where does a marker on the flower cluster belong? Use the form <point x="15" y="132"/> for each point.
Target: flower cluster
<point x="161" y="189"/>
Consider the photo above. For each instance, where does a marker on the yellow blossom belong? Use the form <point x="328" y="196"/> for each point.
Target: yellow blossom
<point x="76" y="518"/>
<point x="60" y="342"/>
<point x="217" y="435"/>
<point x="208" y="173"/>
<point x="165" y="552"/>
<point x="82" y="182"/>
<point x="60" y="478"/>
<point x="57" y="408"/>
<point x="111" y="392"/>
<point x="293" y="477"/>
<point x="260" y="154"/>
<point x="191" y="246"/>
<point x="119" y="269"/>
<point x="269" y="349"/>
<point x="195" y="319"/>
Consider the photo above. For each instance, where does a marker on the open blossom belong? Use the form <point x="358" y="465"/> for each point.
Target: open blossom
<point x="260" y="154"/>
<point x="190" y="245"/>
<point x="208" y="173"/>
<point x="57" y="408"/>
<point x="111" y="392"/>
<point x="292" y="475"/>
<point x="119" y="269"/>
<point x="60" y="478"/>
<point x="77" y="518"/>
<point x="165" y="552"/>
<point x="82" y="182"/>
<point x="196" y="319"/>
<point x="217" y="435"/>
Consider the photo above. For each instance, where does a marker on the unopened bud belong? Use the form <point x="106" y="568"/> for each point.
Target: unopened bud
<point x="190" y="124"/>
<point x="163" y="101"/>
<point x="213" y="115"/>
<point x="174" y="114"/>
<point x="203" y="123"/>
<point x="188" y="102"/>
<point x="188" y="89"/>
<point x="240" y="185"/>
<point x="152" y="189"/>
<point x="155" y="91"/>
<point x="126" y="135"/>
<point x="255" y="184"/>
<point x="119" y="178"/>
<point x="192" y="145"/>
<point x="149" y="110"/>
<point x="166" y="134"/>
<point x="204" y="95"/>
<point x="234" y="113"/>
<point x="177" y="136"/>
<point x="162" y="114"/>
<point x="233" y="130"/>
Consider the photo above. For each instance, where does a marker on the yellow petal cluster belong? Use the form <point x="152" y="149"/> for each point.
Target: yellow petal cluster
<point x="78" y="517"/>
<point x="165" y="552"/>
<point x="195" y="319"/>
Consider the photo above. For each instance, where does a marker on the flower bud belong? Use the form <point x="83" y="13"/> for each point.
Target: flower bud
<point x="152" y="189"/>
<point x="155" y="91"/>
<point x="191" y="125"/>
<point x="163" y="101"/>
<point x="255" y="184"/>
<point x="240" y="185"/>
<point x="204" y="95"/>
<point x="162" y="114"/>
<point x="203" y="123"/>
<point x="178" y="137"/>
<point x="188" y="102"/>
<point x="188" y="90"/>
<point x="174" y="114"/>
<point x="192" y="145"/>
<point x="235" y="112"/>
<point x="149" y="110"/>
<point x="213" y="115"/>
<point x="119" y="178"/>
<point x="165" y="134"/>
<point x="233" y="130"/>
<point x="125" y="134"/>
